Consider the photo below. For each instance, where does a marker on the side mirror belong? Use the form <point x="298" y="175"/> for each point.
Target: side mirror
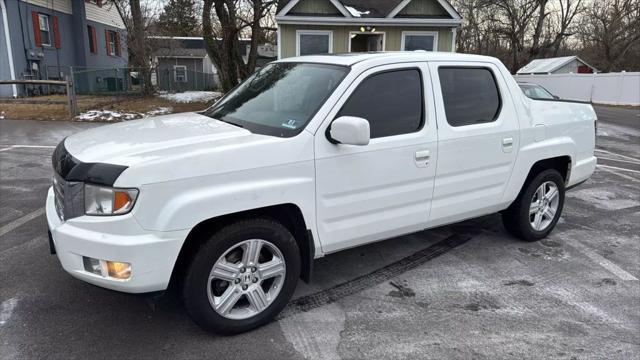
<point x="556" y="97"/>
<point x="350" y="130"/>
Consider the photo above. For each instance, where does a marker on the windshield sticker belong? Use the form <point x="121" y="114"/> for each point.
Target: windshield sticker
<point x="291" y="124"/>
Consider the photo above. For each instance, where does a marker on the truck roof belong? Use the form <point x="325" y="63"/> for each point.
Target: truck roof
<point x="349" y="59"/>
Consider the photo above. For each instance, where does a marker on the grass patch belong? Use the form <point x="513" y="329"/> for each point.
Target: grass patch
<point x="54" y="107"/>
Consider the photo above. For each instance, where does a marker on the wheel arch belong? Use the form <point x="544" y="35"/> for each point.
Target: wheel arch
<point x="561" y="163"/>
<point x="289" y="215"/>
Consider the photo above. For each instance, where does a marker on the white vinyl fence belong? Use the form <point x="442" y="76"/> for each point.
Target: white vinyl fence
<point x="621" y="88"/>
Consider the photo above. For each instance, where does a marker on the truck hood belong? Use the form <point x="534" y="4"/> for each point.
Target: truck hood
<point x="133" y="142"/>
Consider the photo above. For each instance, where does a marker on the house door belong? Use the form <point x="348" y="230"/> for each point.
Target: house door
<point x="364" y="42"/>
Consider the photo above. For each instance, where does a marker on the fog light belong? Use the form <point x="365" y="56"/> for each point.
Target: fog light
<point x="119" y="270"/>
<point x="92" y="265"/>
<point x="113" y="269"/>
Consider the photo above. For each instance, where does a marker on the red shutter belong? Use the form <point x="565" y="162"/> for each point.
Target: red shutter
<point x="36" y="28"/>
<point x="106" y="38"/>
<point x="118" y="49"/>
<point x="56" y="33"/>
<point x="94" y="48"/>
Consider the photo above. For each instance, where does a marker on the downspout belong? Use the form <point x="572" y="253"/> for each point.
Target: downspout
<point x="454" y="32"/>
<point x="279" y="40"/>
<point x="9" y="49"/>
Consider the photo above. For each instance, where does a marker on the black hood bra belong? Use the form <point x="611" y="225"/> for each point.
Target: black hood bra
<point x="72" y="169"/>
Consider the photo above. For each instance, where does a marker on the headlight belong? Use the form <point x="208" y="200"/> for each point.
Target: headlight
<point x="103" y="200"/>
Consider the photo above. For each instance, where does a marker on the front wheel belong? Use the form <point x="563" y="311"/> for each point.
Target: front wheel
<point x="537" y="210"/>
<point x="242" y="277"/>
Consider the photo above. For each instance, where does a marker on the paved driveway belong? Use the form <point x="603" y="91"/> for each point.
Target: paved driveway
<point x="462" y="291"/>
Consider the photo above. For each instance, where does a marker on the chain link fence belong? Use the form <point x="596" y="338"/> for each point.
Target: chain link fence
<point x="184" y="80"/>
<point x="107" y="81"/>
<point x="79" y="89"/>
<point x="129" y="81"/>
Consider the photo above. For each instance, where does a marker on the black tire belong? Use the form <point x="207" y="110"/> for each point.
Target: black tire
<point x="516" y="218"/>
<point x="195" y="287"/>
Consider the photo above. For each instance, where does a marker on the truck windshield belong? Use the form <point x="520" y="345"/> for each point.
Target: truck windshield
<point x="280" y="99"/>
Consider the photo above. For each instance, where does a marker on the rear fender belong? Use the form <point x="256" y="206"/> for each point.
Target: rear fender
<point x="531" y="154"/>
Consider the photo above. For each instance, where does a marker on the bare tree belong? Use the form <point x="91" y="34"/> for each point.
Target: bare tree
<point x="565" y="21"/>
<point x="233" y="18"/>
<point x="609" y="32"/>
<point x="553" y="26"/>
<point x="137" y="19"/>
<point x="471" y="36"/>
<point x="517" y="31"/>
<point x="513" y="18"/>
<point x="534" y="50"/>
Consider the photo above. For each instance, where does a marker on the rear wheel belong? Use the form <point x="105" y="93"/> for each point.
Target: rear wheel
<point x="242" y="277"/>
<point x="536" y="211"/>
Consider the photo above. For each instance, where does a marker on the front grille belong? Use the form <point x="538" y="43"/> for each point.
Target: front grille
<point x="69" y="198"/>
<point x="70" y="174"/>
<point x="58" y="192"/>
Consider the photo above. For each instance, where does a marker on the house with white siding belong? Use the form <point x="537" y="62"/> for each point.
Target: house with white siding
<point x="558" y="65"/>
<point x="43" y="39"/>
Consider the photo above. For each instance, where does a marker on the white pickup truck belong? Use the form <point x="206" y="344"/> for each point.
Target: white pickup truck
<point x="309" y="156"/>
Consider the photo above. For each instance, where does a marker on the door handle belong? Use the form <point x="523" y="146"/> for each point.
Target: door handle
<point x="507" y="144"/>
<point x="422" y="157"/>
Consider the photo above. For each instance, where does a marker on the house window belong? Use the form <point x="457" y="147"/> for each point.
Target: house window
<point x="180" y="73"/>
<point x="419" y="40"/>
<point x="310" y="42"/>
<point x="45" y="34"/>
<point x="93" y="46"/>
<point x="113" y="43"/>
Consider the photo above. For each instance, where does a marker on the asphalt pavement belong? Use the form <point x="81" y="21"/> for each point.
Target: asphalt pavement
<point x="458" y="292"/>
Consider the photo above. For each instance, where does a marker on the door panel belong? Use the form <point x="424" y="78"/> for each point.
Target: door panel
<point x="474" y="161"/>
<point x="377" y="191"/>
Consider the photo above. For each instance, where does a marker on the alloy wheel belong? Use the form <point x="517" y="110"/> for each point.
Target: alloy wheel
<point x="246" y="279"/>
<point x="544" y="206"/>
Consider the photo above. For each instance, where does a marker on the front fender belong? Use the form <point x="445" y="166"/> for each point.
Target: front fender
<point x="182" y="204"/>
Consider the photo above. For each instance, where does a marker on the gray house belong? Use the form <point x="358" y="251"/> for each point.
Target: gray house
<point x="182" y="63"/>
<point x="42" y="39"/>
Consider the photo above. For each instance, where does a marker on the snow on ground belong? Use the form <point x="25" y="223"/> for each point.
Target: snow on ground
<point x="106" y="115"/>
<point x="355" y="12"/>
<point x="159" y="111"/>
<point x="115" y="116"/>
<point x="191" y="96"/>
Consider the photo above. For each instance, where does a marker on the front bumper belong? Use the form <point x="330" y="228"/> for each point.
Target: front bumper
<point x="152" y="254"/>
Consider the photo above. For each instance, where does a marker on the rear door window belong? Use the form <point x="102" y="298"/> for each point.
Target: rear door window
<point x="470" y="95"/>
